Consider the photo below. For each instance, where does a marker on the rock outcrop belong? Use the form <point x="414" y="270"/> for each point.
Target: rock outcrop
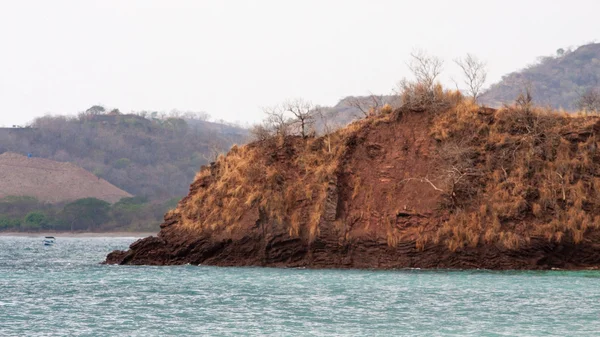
<point x="461" y="187"/>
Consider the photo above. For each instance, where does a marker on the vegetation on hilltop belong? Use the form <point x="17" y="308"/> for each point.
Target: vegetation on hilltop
<point x="148" y="155"/>
<point x="557" y="81"/>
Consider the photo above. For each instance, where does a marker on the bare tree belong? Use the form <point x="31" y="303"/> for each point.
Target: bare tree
<point x="525" y="99"/>
<point x="201" y="115"/>
<point x="297" y="114"/>
<point x="426" y="68"/>
<point x="174" y="113"/>
<point x="214" y="151"/>
<point x="475" y="74"/>
<point x="277" y="120"/>
<point x="590" y="101"/>
<point x="261" y="132"/>
<point x="422" y="93"/>
<point x="304" y="113"/>
<point x="367" y="106"/>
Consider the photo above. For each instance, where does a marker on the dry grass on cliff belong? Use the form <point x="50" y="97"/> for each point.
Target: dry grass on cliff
<point x="507" y="175"/>
<point x="528" y="172"/>
<point x="285" y="179"/>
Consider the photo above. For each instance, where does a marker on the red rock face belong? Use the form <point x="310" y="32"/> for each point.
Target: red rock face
<point x="385" y="202"/>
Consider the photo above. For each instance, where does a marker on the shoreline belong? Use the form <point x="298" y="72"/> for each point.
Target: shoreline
<point x="80" y="234"/>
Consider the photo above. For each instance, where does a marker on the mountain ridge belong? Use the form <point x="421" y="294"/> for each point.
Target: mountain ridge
<point x="557" y="81"/>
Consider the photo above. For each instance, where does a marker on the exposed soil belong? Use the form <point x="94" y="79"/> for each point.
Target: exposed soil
<point x="52" y="181"/>
<point x="386" y="203"/>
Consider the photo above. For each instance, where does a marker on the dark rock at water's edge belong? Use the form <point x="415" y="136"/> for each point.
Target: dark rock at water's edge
<point x="282" y="252"/>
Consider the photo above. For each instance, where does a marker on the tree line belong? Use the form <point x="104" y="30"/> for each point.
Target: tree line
<point x="146" y="154"/>
<point x="88" y="214"/>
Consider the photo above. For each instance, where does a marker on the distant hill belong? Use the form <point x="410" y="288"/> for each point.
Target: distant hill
<point x="557" y="80"/>
<point x="348" y="109"/>
<point x="51" y="181"/>
<point x="146" y="156"/>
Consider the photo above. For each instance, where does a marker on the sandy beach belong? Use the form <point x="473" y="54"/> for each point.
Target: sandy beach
<point x="80" y="234"/>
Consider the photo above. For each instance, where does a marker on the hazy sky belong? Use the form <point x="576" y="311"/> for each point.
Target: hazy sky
<point x="230" y="58"/>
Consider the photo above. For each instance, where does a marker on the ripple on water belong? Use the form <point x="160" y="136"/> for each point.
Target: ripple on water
<point x="62" y="290"/>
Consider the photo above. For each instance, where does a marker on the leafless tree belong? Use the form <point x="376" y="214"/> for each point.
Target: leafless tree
<point x="174" y="113"/>
<point x="590" y="101"/>
<point x="294" y="115"/>
<point x="304" y="113"/>
<point x="260" y="132"/>
<point x="475" y="74"/>
<point x="367" y="106"/>
<point x="201" y="115"/>
<point x="525" y="99"/>
<point x="425" y="68"/>
<point x="422" y="93"/>
<point x="277" y="120"/>
<point x="213" y="153"/>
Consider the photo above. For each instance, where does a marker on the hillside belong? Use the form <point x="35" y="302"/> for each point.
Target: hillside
<point x="443" y="185"/>
<point x="557" y="81"/>
<point x="143" y="155"/>
<point x="51" y="181"/>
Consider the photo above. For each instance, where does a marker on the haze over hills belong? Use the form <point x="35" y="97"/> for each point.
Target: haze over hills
<point x="154" y="157"/>
<point x="140" y="153"/>
<point x="557" y="81"/>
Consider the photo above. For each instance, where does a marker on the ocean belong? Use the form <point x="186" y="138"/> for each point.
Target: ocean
<point x="63" y="290"/>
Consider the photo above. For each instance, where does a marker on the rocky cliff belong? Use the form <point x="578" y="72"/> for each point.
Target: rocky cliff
<point x="458" y="186"/>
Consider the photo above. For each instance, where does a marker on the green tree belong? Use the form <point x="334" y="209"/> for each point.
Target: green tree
<point x="87" y="213"/>
<point x="95" y="110"/>
<point x="34" y="220"/>
<point x="9" y="223"/>
<point x="127" y="209"/>
<point x="122" y="163"/>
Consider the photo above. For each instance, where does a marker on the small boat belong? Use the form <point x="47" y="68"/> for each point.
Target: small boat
<point x="49" y="241"/>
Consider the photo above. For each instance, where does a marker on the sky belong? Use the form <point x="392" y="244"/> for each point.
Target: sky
<point x="232" y="58"/>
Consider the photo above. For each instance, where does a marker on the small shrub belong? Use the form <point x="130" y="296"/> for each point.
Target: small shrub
<point x="261" y="132"/>
<point x="34" y="221"/>
<point x="122" y="163"/>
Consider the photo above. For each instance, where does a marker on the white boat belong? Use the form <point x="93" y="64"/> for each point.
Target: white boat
<point x="49" y="241"/>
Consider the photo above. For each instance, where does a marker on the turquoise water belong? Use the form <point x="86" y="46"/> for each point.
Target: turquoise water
<point x="63" y="291"/>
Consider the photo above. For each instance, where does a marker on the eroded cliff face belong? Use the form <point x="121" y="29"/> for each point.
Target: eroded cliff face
<point x="467" y="187"/>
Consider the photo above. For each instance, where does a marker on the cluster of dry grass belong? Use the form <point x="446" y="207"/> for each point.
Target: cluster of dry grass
<point x="526" y="172"/>
<point x="284" y="179"/>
